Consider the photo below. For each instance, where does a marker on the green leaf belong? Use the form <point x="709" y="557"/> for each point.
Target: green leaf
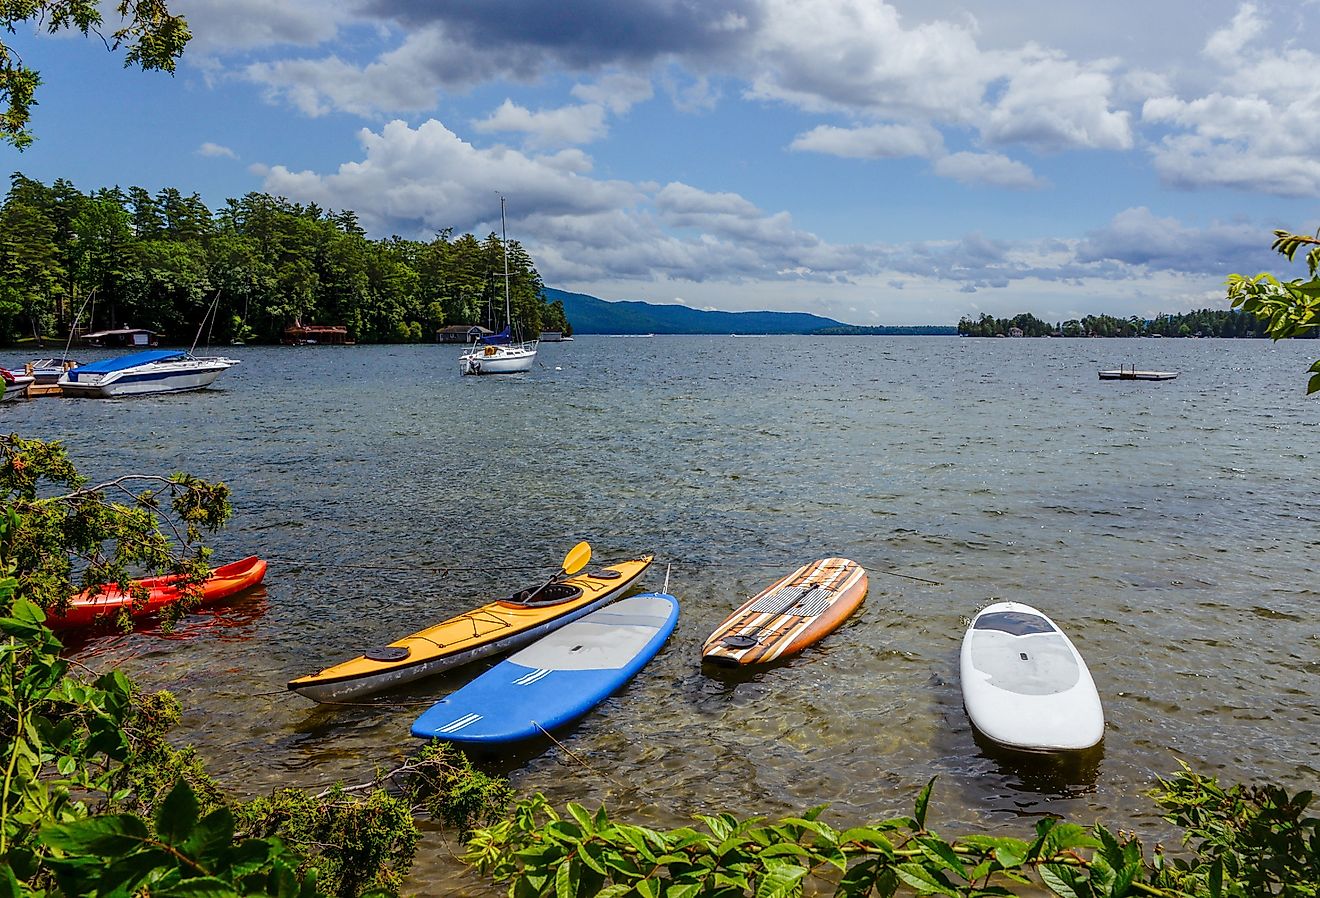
<point x="923" y="800"/>
<point x="584" y="819"/>
<point x="177" y="814"/>
<point x="614" y="891"/>
<point x="565" y="881"/>
<point x="202" y="887"/>
<point x="780" y="880"/>
<point x="1064" y="836"/>
<point x="942" y="852"/>
<point x="866" y="836"/>
<point x="1061" y="879"/>
<point x="216" y="831"/>
<point x="648" y="888"/>
<point x="106" y="836"/>
<point x="925" y="881"/>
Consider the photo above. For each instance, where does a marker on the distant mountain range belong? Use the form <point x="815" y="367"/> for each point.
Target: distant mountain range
<point x="589" y="315"/>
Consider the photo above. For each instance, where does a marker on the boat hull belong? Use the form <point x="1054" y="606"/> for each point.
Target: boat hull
<point x="493" y="628"/>
<point x="16" y="386"/>
<point x="136" y="382"/>
<point x="86" y="609"/>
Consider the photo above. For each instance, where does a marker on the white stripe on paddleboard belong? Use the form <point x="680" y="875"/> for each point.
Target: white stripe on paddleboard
<point x="530" y="678"/>
<point x="463" y="721"/>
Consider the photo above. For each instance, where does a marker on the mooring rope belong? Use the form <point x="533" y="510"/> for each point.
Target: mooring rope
<point x="486" y="569"/>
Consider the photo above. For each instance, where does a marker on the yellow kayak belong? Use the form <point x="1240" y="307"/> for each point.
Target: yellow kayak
<point x="496" y="627"/>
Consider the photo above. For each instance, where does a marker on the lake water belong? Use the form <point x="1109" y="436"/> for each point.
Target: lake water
<point x="1170" y="528"/>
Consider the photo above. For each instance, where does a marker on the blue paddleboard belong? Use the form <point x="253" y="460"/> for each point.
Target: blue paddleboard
<point x="556" y="679"/>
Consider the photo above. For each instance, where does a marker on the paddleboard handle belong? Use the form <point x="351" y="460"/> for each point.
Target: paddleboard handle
<point x="738" y="641"/>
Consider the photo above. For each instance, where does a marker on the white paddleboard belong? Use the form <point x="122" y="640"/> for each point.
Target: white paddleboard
<point x="1025" y="685"/>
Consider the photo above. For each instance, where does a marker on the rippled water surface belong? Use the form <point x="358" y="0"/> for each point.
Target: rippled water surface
<point x="1170" y="528"/>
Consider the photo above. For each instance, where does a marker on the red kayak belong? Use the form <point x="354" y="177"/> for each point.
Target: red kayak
<point x="223" y="582"/>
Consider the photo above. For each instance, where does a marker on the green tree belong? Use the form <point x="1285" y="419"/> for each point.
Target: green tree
<point x="1288" y="308"/>
<point x="31" y="272"/>
<point x="155" y="40"/>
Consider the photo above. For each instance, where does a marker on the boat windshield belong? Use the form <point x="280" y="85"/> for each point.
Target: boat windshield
<point x="1015" y="623"/>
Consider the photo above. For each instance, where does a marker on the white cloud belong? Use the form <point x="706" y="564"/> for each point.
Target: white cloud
<point x="871" y="142"/>
<point x="215" y="149"/>
<point x="989" y="169"/>
<point x="1229" y="41"/>
<point x="831" y="55"/>
<point x="617" y="91"/>
<point x="225" y="25"/>
<point x="1055" y="103"/>
<point x="564" y="126"/>
<point x="420" y="180"/>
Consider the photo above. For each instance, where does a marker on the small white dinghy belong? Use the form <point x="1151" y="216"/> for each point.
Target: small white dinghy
<point x="1024" y="684"/>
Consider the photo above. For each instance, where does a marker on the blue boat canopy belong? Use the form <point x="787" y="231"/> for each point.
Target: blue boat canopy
<point x="132" y="360"/>
<point x="504" y="337"/>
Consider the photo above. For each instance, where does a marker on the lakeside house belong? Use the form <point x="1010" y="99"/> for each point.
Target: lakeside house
<point x="461" y="333"/>
<point x="121" y="337"/>
<point x="552" y="336"/>
<point x="298" y="334"/>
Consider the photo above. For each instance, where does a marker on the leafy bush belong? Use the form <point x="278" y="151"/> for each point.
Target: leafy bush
<point x="1248" y="843"/>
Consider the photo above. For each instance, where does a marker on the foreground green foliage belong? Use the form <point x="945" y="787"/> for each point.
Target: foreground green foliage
<point x="62" y="528"/>
<point x="155" y="40"/>
<point x="1248" y="843"/>
<point x="1287" y="308"/>
<point x="159" y="261"/>
<point x="95" y="799"/>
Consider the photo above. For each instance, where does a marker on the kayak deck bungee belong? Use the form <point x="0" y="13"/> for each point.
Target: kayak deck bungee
<point x="789" y="615"/>
<point x="88" y="608"/>
<point x="495" y="627"/>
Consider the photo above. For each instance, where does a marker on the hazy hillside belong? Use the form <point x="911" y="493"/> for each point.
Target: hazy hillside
<point x="590" y="315"/>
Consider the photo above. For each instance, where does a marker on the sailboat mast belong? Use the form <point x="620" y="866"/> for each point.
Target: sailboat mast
<point x="504" y="240"/>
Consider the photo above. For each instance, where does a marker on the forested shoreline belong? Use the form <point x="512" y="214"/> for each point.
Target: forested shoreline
<point x="1201" y="323"/>
<point x="158" y="262"/>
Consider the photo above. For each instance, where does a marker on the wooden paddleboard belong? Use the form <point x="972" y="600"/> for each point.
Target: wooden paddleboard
<point x="789" y="615"/>
<point x="1024" y="683"/>
<point x="556" y="679"/>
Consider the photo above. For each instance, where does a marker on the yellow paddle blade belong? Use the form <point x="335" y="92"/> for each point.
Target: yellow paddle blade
<point x="577" y="558"/>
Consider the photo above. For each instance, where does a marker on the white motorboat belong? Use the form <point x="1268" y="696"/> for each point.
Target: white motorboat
<point x="15" y="384"/>
<point x="500" y="353"/>
<point x="151" y="371"/>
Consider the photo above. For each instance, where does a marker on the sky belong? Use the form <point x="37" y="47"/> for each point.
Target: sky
<point x="880" y="163"/>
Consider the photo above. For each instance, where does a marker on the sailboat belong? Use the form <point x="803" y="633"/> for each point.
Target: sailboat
<point x="499" y="353"/>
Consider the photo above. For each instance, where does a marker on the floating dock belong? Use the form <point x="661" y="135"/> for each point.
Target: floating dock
<point x="1133" y="374"/>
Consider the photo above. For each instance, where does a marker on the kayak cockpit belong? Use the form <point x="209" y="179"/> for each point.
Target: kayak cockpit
<point x="550" y="594"/>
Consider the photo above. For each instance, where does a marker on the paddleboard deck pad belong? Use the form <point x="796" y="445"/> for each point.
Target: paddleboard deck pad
<point x="789" y="615"/>
<point x="498" y="626"/>
<point x="1025" y="685"/>
<point x="556" y="679"/>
